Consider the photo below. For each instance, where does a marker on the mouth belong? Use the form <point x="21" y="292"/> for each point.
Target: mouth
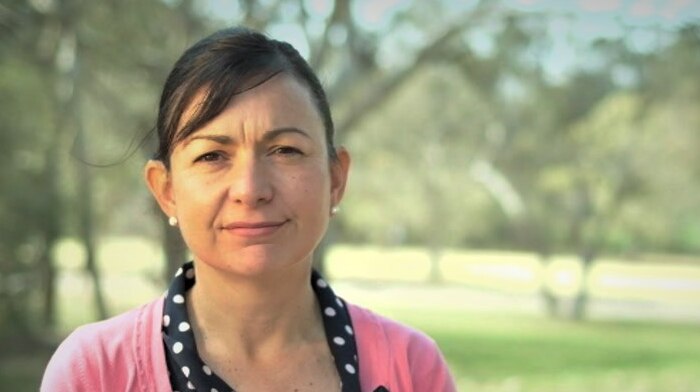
<point x="253" y="229"/>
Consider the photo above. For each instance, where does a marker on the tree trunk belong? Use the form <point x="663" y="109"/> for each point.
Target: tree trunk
<point x="51" y="234"/>
<point x="87" y="229"/>
<point x="551" y="302"/>
<point x="48" y="278"/>
<point x="580" y="305"/>
<point x="85" y="191"/>
<point x="436" y="240"/>
<point x="435" y="255"/>
<point x="578" y="312"/>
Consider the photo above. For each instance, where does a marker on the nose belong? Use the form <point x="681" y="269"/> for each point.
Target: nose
<point x="250" y="182"/>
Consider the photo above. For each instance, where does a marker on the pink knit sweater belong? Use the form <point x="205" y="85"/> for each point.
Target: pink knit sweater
<point x="125" y="353"/>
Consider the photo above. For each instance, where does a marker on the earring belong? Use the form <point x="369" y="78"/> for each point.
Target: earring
<point x="334" y="210"/>
<point x="172" y="221"/>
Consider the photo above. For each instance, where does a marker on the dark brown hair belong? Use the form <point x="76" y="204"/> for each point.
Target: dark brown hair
<point x="226" y="63"/>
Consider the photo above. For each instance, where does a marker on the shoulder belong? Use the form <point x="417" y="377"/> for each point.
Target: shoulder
<point x="394" y="353"/>
<point x="370" y="324"/>
<point x="119" y="328"/>
<point x="106" y="349"/>
<point x="112" y="333"/>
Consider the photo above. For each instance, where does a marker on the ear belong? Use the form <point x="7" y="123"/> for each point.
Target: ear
<point x="157" y="178"/>
<point x="339" y="175"/>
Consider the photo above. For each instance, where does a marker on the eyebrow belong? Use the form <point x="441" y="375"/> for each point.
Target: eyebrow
<point x="268" y="136"/>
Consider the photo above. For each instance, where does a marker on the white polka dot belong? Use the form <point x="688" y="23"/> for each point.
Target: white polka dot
<point x="214" y="390"/>
<point x="355" y="358"/>
<point x="166" y="320"/>
<point x="348" y="329"/>
<point x="330" y="312"/>
<point x="189" y="385"/>
<point x="178" y="299"/>
<point x="321" y="283"/>
<point x="340" y="303"/>
<point x="177" y="347"/>
<point x="186" y="371"/>
<point x="338" y="340"/>
<point x="184" y="326"/>
<point x="206" y="370"/>
<point x="190" y="273"/>
<point x="350" y="369"/>
<point x="178" y="272"/>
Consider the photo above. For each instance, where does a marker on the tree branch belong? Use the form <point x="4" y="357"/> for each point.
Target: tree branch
<point x="383" y="91"/>
<point x="340" y="15"/>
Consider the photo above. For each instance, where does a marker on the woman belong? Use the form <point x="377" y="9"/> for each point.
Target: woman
<point x="247" y="169"/>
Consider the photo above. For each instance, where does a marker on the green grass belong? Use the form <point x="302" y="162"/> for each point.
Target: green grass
<point x="536" y="354"/>
<point x="519" y="353"/>
<point x="486" y="352"/>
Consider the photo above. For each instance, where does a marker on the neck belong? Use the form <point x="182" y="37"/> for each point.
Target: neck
<point x="253" y="316"/>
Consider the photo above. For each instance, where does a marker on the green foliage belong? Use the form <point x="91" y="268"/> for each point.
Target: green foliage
<point x="25" y="203"/>
<point x="67" y="67"/>
<point x="411" y="165"/>
<point x="459" y="146"/>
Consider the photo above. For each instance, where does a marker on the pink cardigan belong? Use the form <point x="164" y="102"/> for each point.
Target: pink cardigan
<point x="125" y="353"/>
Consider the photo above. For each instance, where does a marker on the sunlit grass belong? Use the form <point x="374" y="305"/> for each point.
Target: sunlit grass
<point x="519" y="353"/>
<point x="487" y="351"/>
<point x="523" y="273"/>
<point x="404" y="264"/>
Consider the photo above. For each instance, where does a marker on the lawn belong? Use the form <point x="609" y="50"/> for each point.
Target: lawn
<point x="521" y="353"/>
<point x="490" y="350"/>
<point x="509" y="353"/>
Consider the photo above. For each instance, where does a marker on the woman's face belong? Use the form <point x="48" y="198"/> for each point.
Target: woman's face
<point x="253" y="189"/>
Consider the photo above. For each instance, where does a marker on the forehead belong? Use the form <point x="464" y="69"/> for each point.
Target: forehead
<point x="280" y="101"/>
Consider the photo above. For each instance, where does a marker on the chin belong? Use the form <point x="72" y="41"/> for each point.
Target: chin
<point x="258" y="261"/>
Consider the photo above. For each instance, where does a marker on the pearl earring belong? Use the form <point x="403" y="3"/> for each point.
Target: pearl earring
<point x="172" y="221"/>
<point x="334" y="210"/>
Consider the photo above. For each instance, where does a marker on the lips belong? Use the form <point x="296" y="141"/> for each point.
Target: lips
<point x="253" y="229"/>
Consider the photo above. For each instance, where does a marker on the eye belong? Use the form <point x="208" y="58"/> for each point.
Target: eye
<point x="286" y="150"/>
<point x="212" y="156"/>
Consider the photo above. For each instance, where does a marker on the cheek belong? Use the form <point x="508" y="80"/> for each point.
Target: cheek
<point x="195" y="195"/>
<point x="314" y="184"/>
<point x="310" y="187"/>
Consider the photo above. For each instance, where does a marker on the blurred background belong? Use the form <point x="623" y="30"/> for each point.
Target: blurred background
<point x="524" y="186"/>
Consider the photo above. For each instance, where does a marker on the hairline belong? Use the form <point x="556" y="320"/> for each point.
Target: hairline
<point x="202" y="95"/>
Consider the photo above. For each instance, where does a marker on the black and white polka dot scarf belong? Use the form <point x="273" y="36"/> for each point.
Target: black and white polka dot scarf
<point x="189" y="373"/>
